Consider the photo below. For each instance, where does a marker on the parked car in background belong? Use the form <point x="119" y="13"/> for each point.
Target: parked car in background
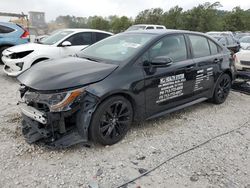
<point x="128" y="77"/>
<point x="227" y="40"/>
<point x="11" y="34"/>
<point x="245" y="42"/>
<point x="39" y="38"/>
<point x="238" y="36"/>
<point x="242" y="59"/>
<point x="62" y="43"/>
<point x="145" y="27"/>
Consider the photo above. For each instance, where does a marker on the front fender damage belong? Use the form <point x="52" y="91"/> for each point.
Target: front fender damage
<point x="63" y="129"/>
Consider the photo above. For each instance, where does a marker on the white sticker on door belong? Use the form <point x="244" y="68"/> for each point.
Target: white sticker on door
<point x="202" y="76"/>
<point x="171" y="87"/>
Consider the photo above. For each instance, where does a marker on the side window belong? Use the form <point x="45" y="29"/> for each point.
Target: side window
<point x="173" y="46"/>
<point x="200" y="46"/>
<point x="80" y="39"/>
<point x="213" y="47"/>
<point x="159" y="28"/>
<point x="150" y="27"/>
<point x="100" y="36"/>
<point x="4" y="29"/>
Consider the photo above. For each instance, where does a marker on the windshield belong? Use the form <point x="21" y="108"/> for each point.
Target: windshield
<point x="136" y="27"/>
<point x="55" y="37"/>
<point x="245" y="40"/>
<point x="117" y="48"/>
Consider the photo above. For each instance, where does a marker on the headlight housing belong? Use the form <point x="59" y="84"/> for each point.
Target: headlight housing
<point x="19" y="55"/>
<point x="56" y="102"/>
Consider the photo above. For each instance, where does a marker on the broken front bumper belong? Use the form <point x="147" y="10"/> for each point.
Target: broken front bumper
<point x="54" y="129"/>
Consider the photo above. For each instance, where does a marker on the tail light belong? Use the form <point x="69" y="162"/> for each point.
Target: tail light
<point x="25" y="35"/>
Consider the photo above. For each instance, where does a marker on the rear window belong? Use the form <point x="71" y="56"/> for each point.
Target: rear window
<point x="4" y="29"/>
<point x="150" y="27"/>
<point x="213" y="47"/>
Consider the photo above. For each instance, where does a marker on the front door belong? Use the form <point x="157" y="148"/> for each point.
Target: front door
<point x="168" y="87"/>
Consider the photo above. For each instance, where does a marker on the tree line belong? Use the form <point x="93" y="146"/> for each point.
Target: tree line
<point x="204" y="17"/>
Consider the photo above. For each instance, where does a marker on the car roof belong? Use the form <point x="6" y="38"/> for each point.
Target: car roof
<point x="8" y="24"/>
<point x="148" y="25"/>
<point x="164" y="31"/>
<point x="85" y="30"/>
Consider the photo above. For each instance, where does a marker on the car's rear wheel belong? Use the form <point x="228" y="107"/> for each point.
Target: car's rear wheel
<point x="222" y="89"/>
<point x="1" y="51"/>
<point x="111" y="121"/>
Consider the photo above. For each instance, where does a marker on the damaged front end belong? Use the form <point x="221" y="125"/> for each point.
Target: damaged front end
<point x="58" y="119"/>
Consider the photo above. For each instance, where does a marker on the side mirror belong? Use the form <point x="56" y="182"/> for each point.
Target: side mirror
<point x="66" y="43"/>
<point x="161" y="61"/>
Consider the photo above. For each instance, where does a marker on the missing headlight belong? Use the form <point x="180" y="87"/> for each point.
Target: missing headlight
<point x="55" y="101"/>
<point x="19" y="55"/>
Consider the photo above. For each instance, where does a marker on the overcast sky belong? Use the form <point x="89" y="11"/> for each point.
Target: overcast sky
<point x="85" y="8"/>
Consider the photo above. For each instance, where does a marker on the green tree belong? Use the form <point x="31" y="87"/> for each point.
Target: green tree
<point x="202" y="18"/>
<point x="119" y="24"/>
<point x="236" y="20"/>
<point x="150" y="16"/>
<point x="98" y="22"/>
<point x="173" y="18"/>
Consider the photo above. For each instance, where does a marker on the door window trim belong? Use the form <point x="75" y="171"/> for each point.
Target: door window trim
<point x="92" y="41"/>
<point x="191" y="47"/>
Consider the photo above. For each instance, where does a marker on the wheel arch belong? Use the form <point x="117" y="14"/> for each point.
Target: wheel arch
<point x="38" y="60"/>
<point x="227" y="71"/>
<point x="126" y="96"/>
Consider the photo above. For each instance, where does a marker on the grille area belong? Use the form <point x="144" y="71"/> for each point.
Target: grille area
<point x="245" y="62"/>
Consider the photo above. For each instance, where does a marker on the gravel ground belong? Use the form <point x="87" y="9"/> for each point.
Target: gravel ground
<point x="222" y="162"/>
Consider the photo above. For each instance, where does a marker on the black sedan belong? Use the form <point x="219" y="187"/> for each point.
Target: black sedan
<point x="129" y="77"/>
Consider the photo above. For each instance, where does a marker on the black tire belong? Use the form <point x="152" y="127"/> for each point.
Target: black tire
<point x="1" y="51"/>
<point x="111" y="121"/>
<point x="222" y="89"/>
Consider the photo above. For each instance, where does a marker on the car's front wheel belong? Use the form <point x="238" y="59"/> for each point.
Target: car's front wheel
<point x="222" y="89"/>
<point x="111" y="121"/>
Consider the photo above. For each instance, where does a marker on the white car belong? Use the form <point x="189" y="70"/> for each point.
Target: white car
<point x="145" y="27"/>
<point x="63" y="43"/>
<point x="242" y="60"/>
<point x="245" y="42"/>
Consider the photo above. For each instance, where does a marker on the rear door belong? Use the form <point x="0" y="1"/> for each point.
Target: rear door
<point x="207" y="56"/>
<point x="78" y="42"/>
<point x="168" y="87"/>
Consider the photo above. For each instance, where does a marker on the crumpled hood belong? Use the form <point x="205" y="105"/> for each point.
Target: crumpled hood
<point x="27" y="47"/>
<point x="65" y="73"/>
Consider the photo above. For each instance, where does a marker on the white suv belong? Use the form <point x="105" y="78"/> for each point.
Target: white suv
<point x="62" y="43"/>
<point x="145" y="27"/>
